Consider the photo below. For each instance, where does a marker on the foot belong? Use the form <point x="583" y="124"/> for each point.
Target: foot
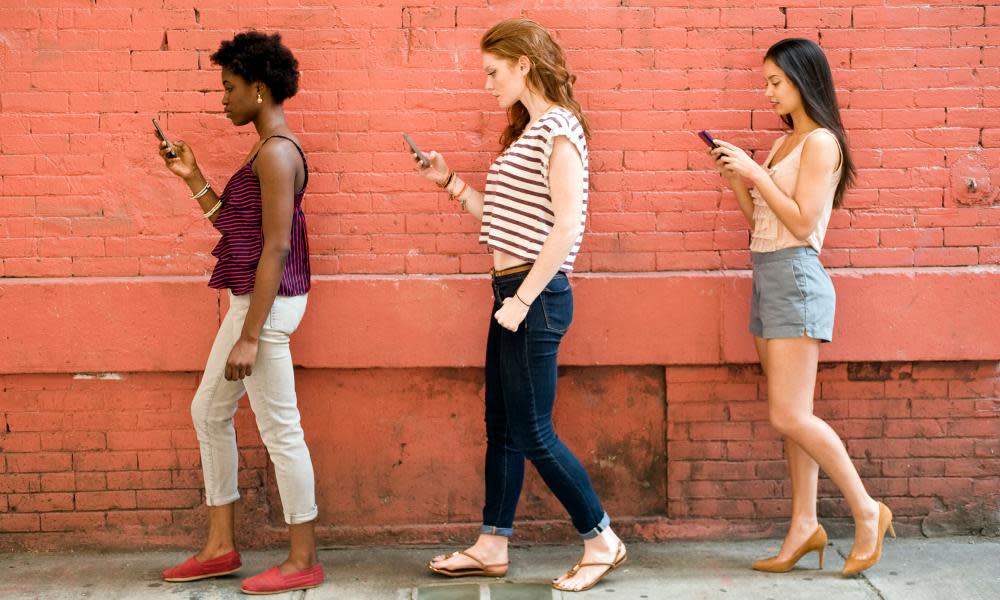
<point x="606" y="549"/>
<point x="488" y="549"/>
<point x="799" y="532"/>
<point x="213" y="551"/>
<point x="866" y="531"/>
<point x="296" y="565"/>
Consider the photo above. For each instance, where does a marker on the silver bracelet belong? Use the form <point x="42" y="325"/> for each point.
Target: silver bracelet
<point x="203" y="191"/>
<point x="214" y="209"/>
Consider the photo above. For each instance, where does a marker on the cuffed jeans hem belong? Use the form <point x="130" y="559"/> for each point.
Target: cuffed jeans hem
<point x="221" y="501"/>
<point x="302" y="518"/>
<point x="596" y="531"/>
<point x="502" y="531"/>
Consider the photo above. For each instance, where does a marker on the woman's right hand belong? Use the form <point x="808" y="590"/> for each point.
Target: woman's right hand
<point x="732" y="177"/>
<point x="184" y="166"/>
<point x="437" y="171"/>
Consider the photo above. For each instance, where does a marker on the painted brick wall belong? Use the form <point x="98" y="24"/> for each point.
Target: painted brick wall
<point x="677" y="452"/>
<point x="683" y="449"/>
<point x="84" y="193"/>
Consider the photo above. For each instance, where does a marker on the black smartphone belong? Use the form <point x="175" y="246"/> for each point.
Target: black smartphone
<point x="163" y="138"/>
<point x="708" y="139"/>
<point x="413" y="147"/>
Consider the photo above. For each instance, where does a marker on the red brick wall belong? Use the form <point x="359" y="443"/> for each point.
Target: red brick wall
<point x="675" y="452"/>
<point x="661" y="401"/>
<point x="85" y="193"/>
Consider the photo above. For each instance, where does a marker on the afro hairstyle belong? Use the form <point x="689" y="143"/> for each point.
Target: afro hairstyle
<point x="258" y="57"/>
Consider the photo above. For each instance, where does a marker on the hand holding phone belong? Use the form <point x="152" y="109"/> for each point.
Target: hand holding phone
<point x="163" y="138"/>
<point x="416" y="151"/>
<point x="708" y="139"/>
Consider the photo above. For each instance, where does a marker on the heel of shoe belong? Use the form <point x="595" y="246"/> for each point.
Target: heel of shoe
<point x="892" y="530"/>
<point x="821" y="551"/>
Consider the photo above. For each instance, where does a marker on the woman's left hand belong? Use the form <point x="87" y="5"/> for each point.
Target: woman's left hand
<point x="511" y="313"/>
<point x="737" y="161"/>
<point x="241" y="360"/>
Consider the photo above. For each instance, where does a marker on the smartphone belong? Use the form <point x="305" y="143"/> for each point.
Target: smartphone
<point x="413" y="147"/>
<point x="708" y="139"/>
<point x="163" y="137"/>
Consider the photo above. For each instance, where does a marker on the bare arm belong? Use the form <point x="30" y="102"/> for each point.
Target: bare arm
<point x="186" y="167"/>
<point x="438" y="172"/>
<point x="801" y="213"/>
<point x="566" y="192"/>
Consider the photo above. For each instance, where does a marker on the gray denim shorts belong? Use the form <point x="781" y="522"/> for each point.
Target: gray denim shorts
<point x="792" y="295"/>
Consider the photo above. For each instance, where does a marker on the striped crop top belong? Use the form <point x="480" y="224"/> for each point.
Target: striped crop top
<point x="517" y="207"/>
<point x="240" y="221"/>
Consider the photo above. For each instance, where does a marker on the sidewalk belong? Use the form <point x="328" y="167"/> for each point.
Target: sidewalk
<point x="911" y="569"/>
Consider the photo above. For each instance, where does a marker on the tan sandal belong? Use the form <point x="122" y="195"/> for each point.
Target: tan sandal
<point x="483" y="570"/>
<point x="620" y="556"/>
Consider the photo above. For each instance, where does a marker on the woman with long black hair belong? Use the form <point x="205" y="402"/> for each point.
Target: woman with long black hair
<point x="803" y="179"/>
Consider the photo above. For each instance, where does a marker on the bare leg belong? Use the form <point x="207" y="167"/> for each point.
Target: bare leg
<point x="791" y="381"/>
<point x="302" y="554"/>
<point x="804" y="475"/>
<point x="221" y="526"/>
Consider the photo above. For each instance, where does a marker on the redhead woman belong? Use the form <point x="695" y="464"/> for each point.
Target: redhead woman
<point x="532" y="215"/>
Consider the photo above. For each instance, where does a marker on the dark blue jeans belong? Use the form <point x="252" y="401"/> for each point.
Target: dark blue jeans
<point x="520" y="393"/>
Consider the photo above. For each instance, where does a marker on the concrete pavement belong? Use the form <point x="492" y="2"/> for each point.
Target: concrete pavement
<point x="911" y="569"/>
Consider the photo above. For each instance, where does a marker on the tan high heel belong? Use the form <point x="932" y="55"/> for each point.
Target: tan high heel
<point x="816" y="541"/>
<point x="856" y="564"/>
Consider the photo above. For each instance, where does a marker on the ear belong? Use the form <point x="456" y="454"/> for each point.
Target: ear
<point x="523" y="64"/>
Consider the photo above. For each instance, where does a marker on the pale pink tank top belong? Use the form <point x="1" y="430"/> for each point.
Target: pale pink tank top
<point x="769" y="233"/>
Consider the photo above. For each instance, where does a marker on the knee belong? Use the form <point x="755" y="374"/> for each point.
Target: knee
<point x="532" y="444"/>
<point x="201" y="414"/>
<point x="282" y="439"/>
<point x="787" y="423"/>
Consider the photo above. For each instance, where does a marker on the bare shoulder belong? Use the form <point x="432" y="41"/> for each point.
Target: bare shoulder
<point x="278" y="155"/>
<point x="821" y="148"/>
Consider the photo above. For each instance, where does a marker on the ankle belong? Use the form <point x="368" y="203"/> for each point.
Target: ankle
<point x="868" y="512"/>
<point x="806" y="524"/>
<point x="492" y="543"/>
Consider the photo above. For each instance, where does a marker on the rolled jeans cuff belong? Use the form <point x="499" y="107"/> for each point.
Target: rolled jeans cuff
<point x="501" y="531"/>
<point x="596" y="531"/>
<point x="302" y="517"/>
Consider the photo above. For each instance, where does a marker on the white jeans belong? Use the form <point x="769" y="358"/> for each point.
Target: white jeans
<point x="271" y="389"/>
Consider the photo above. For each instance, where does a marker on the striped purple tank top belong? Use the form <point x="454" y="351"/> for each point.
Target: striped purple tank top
<point x="240" y="221"/>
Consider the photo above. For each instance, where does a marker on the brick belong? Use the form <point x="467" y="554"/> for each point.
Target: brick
<point x="72" y="521"/>
<point x="105" y="500"/>
<point x="40" y="502"/>
<point x="14" y="522"/>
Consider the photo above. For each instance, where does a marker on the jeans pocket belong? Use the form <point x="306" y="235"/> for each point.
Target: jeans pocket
<point x="557" y="309"/>
<point x="286" y="313"/>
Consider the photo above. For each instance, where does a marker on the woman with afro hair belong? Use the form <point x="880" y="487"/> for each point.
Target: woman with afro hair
<point x="263" y="263"/>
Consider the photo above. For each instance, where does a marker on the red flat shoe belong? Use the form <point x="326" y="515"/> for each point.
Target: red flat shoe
<point x="272" y="581"/>
<point x="193" y="569"/>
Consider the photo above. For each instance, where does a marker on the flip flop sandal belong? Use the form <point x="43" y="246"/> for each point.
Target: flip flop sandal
<point x="620" y="556"/>
<point x="483" y="570"/>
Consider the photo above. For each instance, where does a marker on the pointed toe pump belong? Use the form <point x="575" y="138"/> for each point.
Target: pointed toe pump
<point x="856" y="564"/>
<point x="816" y="542"/>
